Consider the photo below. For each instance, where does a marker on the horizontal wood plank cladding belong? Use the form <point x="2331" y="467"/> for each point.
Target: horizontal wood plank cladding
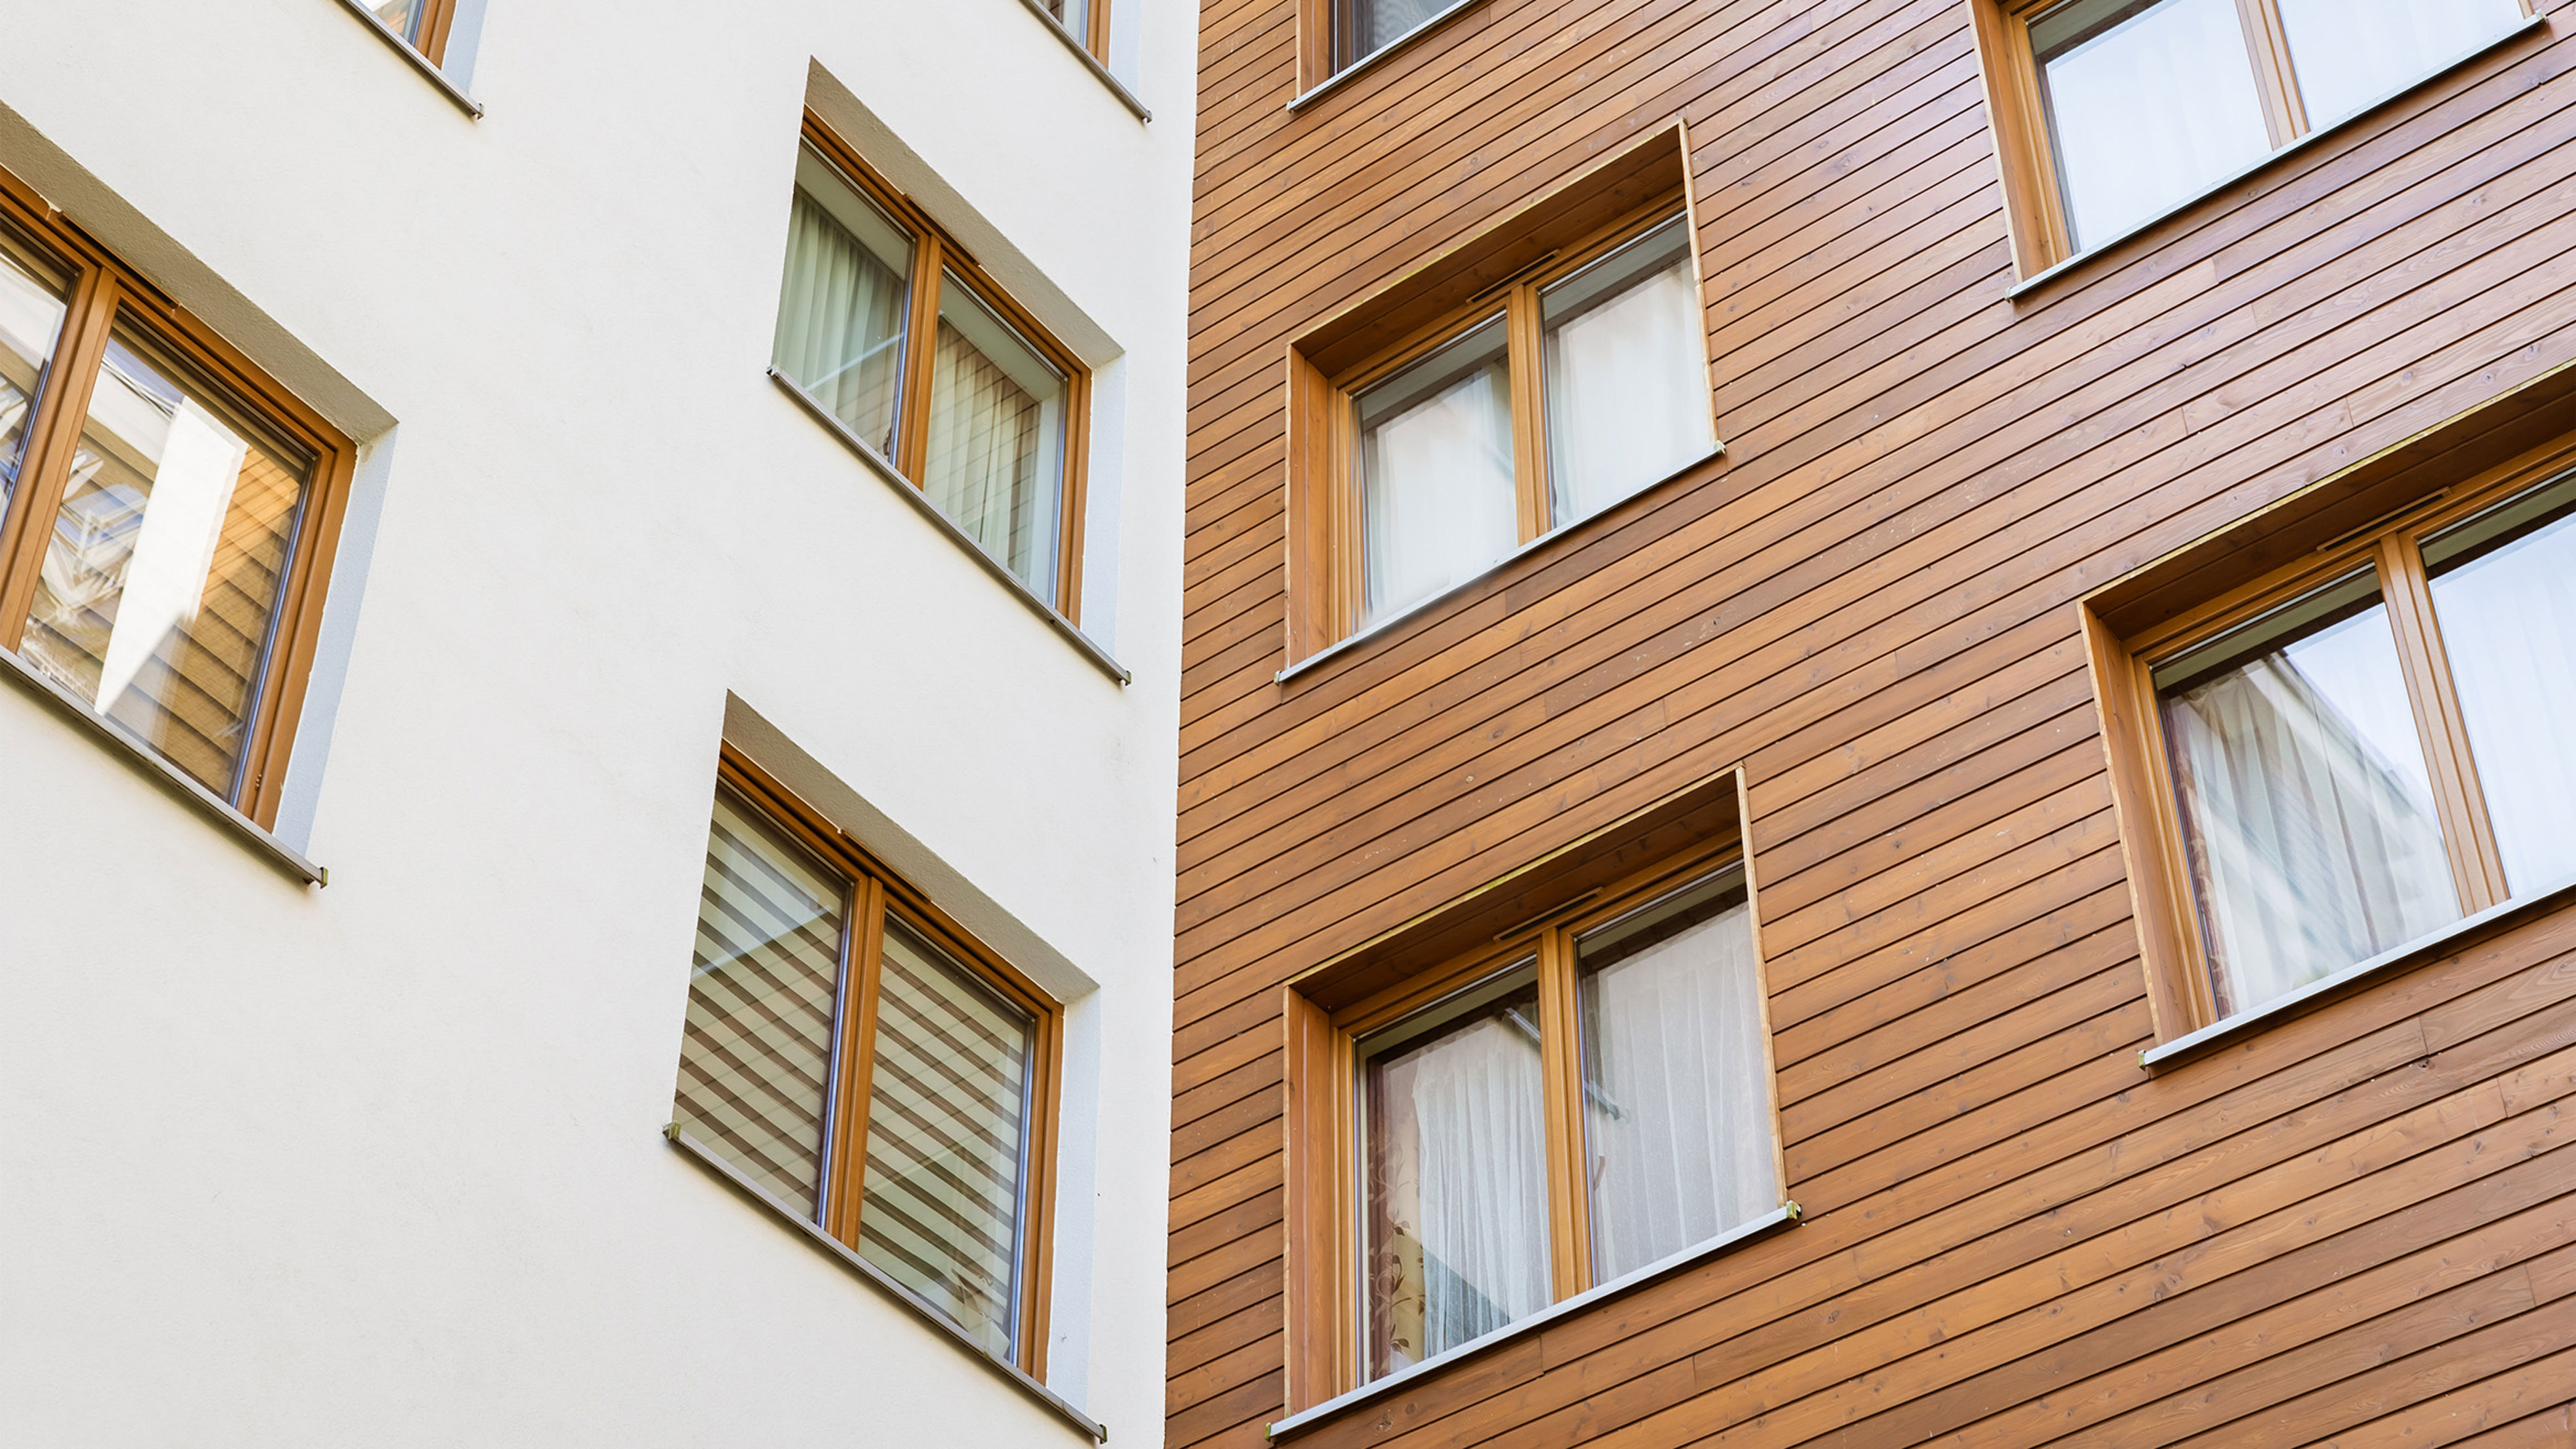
<point x="2351" y="1226"/>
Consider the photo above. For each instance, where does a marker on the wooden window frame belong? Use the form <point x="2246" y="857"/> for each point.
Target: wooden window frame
<point x="2172" y="943"/>
<point x="936" y="256"/>
<point x="1322" y="1126"/>
<point x="1094" y="35"/>
<point x="2034" y="209"/>
<point x="1504" y="270"/>
<point x="430" y="28"/>
<point x="877" y="891"/>
<point x="100" y="292"/>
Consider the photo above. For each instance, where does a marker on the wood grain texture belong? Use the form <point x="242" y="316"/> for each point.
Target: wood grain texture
<point x="2348" y="1227"/>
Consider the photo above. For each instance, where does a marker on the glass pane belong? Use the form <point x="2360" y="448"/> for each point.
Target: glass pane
<point x="2306" y="809"/>
<point x="1627" y="374"/>
<point x="1676" y="1101"/>
<point x="756" y="1060"/>
<point x="31" y="322"/>
<point x="1075" y="15"/>
<point x="168" y="557"/>
<point x="846" y="302"/>
<point x="1366" y="27"/>
<point x="1437" y="502"/>
<point x="2148" y="104"/>
<point x="996" y="462"/>
<point x="2355" y="53"/>
<point x="403" y="17"/>
<point x="948" y="1138"/>
<point x="2504" y="588"/>
<point x="1453" y="1160"/>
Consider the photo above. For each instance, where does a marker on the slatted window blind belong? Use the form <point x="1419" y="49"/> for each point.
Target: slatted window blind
<point x="823" y="1006"/>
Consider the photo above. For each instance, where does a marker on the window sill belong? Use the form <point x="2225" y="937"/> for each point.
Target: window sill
<point x="1091" y="62"/>
<point x="878" y="464"/>
<point x="1762" y="1227"/>
<point x="875" y="1277"/>
<point x="135" y="753"/>
<point x="472" y="108"/>
<point x="1382" y="53"/>
<point x="2049" y="274"/>
<point x="2413" y="953"/>
<point x="1348" y="643"/>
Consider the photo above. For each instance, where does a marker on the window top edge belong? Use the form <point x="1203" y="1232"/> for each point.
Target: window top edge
<point x="1011" y="1373"/>
<point x="1785" y="1215"/>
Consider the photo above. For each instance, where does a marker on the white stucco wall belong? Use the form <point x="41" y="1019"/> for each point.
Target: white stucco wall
<point x="380" y="1164"/>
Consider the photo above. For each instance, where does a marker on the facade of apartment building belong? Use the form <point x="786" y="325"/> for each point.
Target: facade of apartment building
<point x="617" y="890"/>
<point x="1872" y="733"/>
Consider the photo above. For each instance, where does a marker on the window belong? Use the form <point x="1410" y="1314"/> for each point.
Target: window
<point x="1362" y="28"/>
<point x="2349" y="756"/>
<point x="2114" y="112"/>
<point x="1585" y="1097"/>
<point x="867" y="1065"/>
<point x="170" y="513"/>
<point x="1087" y="21"/>
<point x="891" y="329"/>
<point x="1575" y="384"/>
<point x="422" y="23"/>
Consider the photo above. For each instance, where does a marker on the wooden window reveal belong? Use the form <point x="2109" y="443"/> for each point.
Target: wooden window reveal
<point x="874" y="1068"/>
<point x="2348" y="754"/>
<point x="1600" y="1179"/>
<point x="171" y="512"/>
<point x="2094" y="143"/>
<point x="1484" y="378"/>
<point x="892" y="328"/>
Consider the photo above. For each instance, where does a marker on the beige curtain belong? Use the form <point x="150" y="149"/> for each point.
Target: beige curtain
<point x="987" y="469"/>
<point x="841" y="324"/>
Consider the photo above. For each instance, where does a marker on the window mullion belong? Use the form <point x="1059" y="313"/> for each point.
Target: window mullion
<point x="2477" y="863"/>
<point x="921" y="347"/>
<point x="857" y="1066"/>
<point x="2283" y="110"/>
<point x="53" y="441"/>
<point x="1529" y="409"/>
<point x="1561" y="1081"/>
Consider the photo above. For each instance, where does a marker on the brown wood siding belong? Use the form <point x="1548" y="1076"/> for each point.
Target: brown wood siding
<point x="2348" y="1226"/>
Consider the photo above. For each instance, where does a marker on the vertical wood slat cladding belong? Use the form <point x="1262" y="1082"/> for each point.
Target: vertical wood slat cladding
<point x="2352" y="1225"/>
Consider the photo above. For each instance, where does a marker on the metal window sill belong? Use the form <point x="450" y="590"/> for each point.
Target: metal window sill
<point x="876" y="1277"/>
<point x="2413" y="953"/>
<point x="1371" y="60"/>
<point x="142" y="757"/>
<point x="1091" y="62"/>
<point x="1761" y="1227"/>
<point x="879" y="465"/>
<point x="428" y="68"/>
<point x="2484" y="48"/>
<point x="1420" y="607"/>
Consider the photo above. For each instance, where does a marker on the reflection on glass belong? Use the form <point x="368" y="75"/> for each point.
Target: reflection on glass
<point x="2306" y="807"/>
<point x="842" y="312"/>
<point x="31" y="321"/>
<point x="403" y="17"/>
<point x="2352" y="53"/>
<point x="756" y="1060"/>
<point x="1437" y="500"/>
<point x="1453" y="1157"/>
<point x="2504" y="588"/>
<point x="168" y="557"/>
<point x="996" y="461"/>
<point x="1677" y="1105"/>
<point x="2148" y="103"/>
<point x="947" y="1139"/>
<point x="1627" y="377"/>
<point x="1362" y="28"/>
<point x="1074" y="15"/>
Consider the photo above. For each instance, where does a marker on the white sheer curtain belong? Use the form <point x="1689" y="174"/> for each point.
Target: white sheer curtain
<point x="2148" y="111"/>
<point x="2509" y="626"/>
<point x="2308" y="813"/>
<point x="995" y="462"/>
<point x="1437" y="497"/>
<point x="1677" y="1110"/>
<point x="841" y="323"/>
<point x="1457" y="1189"/>
<point x="1627" y="375"/>
<point x="2351" y="53"/>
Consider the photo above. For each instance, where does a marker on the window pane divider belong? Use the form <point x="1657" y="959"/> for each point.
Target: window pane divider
<point x="1027" y="1384"/>
<point x="411" y="55"/>
<point x="920" y="503"/>
<point x="2468" y="834"/>
<point x="109" y="733"/>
